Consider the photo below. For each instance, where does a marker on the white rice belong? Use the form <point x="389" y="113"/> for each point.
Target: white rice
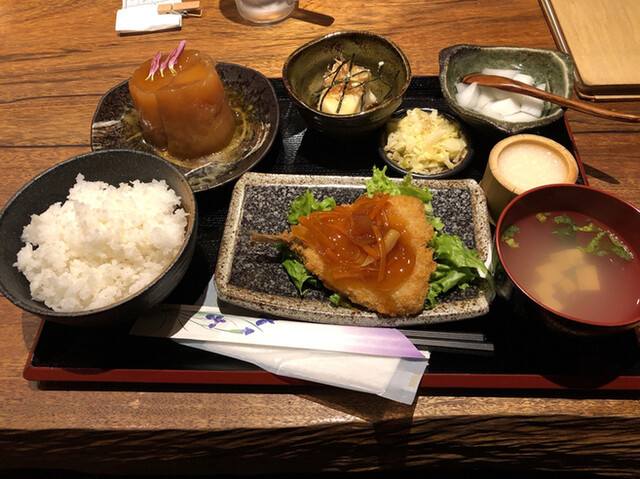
<point x="102" y="245"/>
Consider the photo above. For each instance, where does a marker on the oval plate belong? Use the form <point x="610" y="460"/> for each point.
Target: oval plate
<point x="253" y="100"/>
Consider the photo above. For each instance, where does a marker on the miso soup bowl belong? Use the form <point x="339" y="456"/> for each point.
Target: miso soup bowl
<point x="618" y="215"/>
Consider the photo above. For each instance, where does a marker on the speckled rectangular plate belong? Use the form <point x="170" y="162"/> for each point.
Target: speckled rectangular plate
<point x="250" y="275"/>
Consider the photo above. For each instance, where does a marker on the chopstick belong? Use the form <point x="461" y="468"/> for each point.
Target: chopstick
<point x="450" y="341"/>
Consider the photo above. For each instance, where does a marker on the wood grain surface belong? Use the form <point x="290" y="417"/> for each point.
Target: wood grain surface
<point x="58" y="58"/>
<point x="603" y="37"/>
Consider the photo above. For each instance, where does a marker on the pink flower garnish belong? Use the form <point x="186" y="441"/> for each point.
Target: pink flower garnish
<point x="170" y="61"/>
<point x="173" y="56"/>
<point x="164" y="65"/>
<point x="154" y="66"/>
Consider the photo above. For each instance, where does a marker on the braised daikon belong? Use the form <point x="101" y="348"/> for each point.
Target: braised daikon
<point x="499" y="104"/>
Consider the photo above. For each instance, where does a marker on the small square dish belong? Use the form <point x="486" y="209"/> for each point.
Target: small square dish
<point x="249" y="274"/>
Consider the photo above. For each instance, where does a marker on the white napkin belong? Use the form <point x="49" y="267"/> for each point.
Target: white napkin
<point x="145" y="18"/>
<point x="380" y="361"/>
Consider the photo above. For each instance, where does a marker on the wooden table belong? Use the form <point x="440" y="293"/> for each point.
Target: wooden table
<point x="58" y="58"/>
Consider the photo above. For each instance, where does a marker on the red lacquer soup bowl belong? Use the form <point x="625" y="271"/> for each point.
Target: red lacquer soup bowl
<point x="574" y="252"/>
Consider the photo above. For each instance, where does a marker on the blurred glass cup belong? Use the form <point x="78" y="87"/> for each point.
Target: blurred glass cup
<point x="265" y="11"/>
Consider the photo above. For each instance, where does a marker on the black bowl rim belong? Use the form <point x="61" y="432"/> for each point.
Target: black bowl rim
<point x="445" y="174"/>
<point x="506" y="127"/>
<point x="596" y="326"/>
<point x="301" y="48"/>
<point x="50" y="313"/>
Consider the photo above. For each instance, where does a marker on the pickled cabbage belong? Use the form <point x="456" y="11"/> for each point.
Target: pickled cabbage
<point x="425" y="142"/>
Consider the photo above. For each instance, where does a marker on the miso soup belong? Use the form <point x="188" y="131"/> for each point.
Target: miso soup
<point x="574" y="265"/>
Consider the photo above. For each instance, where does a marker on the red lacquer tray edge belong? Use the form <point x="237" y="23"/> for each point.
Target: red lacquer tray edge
<point x="265" y="378"/>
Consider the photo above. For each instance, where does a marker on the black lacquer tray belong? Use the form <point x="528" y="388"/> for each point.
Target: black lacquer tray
<point x="529" y="355"/>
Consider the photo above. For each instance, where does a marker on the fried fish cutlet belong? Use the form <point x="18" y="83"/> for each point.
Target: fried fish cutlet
<point x="373" y="251"/>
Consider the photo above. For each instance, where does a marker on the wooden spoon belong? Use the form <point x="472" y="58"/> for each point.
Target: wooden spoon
<point x="514" y="86"/>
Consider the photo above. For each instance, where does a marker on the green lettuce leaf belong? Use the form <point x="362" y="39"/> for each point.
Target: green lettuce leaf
<point x="456" y="266"/>
<point x="445" y="278"/>
<point x="306" y="204"/>
<point x="298" y="273"/>
<point x="380" y="183"/>
<point x="340" y="301"/>
<point x="450" y="250"/>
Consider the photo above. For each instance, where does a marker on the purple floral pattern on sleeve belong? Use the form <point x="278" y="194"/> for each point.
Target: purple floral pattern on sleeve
<point x="220" y="323"/>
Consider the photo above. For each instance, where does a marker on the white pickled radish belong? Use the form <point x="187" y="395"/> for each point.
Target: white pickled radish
<point x="501" y="104"/>
<point x="532" y="106"/>
<point x="500" y="94"/>
<point x="484" y="97"/>
<point x="522" y="78"/>
<point x="500" y="72"/>
<point x="519" y="117"/>
<point x="469" y="97"/>
<point x="505" y="107"/>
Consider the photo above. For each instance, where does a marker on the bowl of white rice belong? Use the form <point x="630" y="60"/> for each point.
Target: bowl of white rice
<point x="97" y="239"/>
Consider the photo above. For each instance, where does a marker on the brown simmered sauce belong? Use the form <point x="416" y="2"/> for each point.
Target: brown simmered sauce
<point x="364" y="243"/>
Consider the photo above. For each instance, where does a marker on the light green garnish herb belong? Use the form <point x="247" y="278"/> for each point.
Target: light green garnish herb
<point x="542" y="217"/>
<point x="508" y="236"/>
<point x="603" y="243"/>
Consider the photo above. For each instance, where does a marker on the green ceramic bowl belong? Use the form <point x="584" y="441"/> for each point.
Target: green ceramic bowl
<point x="547" y="66"/>
<point x="304" y="68"/>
